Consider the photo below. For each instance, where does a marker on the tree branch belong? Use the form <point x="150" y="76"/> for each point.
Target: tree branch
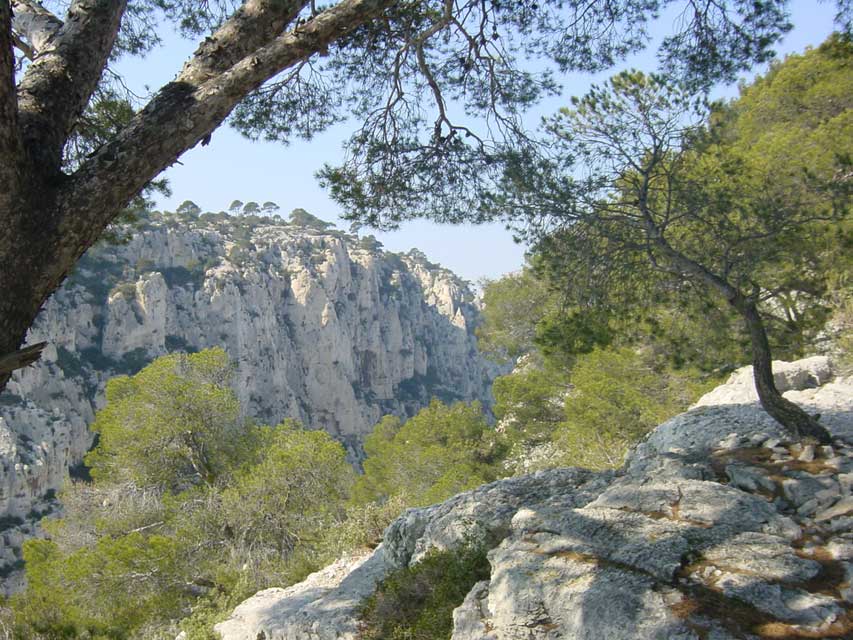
<point x="179" y="116"/>
<point x="35" y="23"/>
<point x="21" y="358"/>
<point x="23" y="47"/>
<point x="252" y="26"/>
<point x="59" y="83"/>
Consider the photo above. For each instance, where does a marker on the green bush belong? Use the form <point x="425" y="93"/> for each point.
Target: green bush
<point x="190" y="510"/>
<point x="443" y="450"/>
<point x="417" y="603"/>
<point x="618" y="396"/>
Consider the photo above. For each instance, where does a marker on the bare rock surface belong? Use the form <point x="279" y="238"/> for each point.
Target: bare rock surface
<point x="323" y="327"/>
<point x="715" y="528"/>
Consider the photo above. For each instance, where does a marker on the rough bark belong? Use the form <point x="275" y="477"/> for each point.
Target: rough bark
<point x="51" y="218"/>
<point x="780" y="408"/>
<point x="10" y="141"/>
<point x="58" y="85"/>
<point x="35" y="23"/>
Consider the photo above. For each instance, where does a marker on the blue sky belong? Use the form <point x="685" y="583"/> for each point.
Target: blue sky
<point x="231" y="167"/>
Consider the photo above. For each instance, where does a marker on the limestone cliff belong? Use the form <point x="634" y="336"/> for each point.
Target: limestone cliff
<point x="715" y="528"/>
<point x="323" y="327"/>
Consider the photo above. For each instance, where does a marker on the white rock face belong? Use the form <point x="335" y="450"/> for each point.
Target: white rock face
<point x="714" y="528"/>
<point x="805" y="374"/>
<point x="323" y="327"/>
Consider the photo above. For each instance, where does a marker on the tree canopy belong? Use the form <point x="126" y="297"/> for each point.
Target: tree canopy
<point x="441" y="451"/>
<point x="648" y="194"/>
<point x="190" y="509"/>
<point x="77" y="148"/>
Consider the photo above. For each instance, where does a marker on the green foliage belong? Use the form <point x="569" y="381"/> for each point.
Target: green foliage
<point x="744" y="205"/>
<point x="188" y="207"/>
<point x="190" y="511"/>
<point x="529" y="403"/>
<point x="293" y="494"/>
<point x="617" y="397"/>
<point x="417" y="603"/>
<point x="439" y="452"/>
<point x="302" y="218"/>
<point x="370" y="243"/>
<point x="172" y="424"/>
<point x="512" y="308"/>
<point x="363" y="526"/>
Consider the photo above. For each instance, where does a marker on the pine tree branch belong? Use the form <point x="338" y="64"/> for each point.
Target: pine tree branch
<point x="59" y="83"/>
<point x="181" y="115"/>
<point x="253" y="25"/>
<point x="21" y="358"/>
<point x="23" y="47"/>
<point x="34" y="23"/>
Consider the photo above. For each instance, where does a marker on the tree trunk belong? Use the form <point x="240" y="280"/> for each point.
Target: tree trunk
<point x="785" y="412"/>
<point x="799" y="423"/>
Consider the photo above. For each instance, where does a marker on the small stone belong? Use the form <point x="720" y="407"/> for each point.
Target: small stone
<point x="749" y="478"/>
<point x="829" y="482"/>
<point x="835" y="462"/>
<point x="802" y="488"/>
<point x="840" y="549"/>
<point x="846" y="482"/>
<point x="847" y="592"/>
<point x="840" y="508"/>
<point x="827" y="496"/>
<point x="731" y="441"/>
<point x="807" y="454"/>
<point x="772" y="443"/>
<point x="808" y="507"/>
<point x="828" y="451"/>
<point x="841" y="524"/>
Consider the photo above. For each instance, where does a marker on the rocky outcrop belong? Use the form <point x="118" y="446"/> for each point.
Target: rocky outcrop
<point x="323" y="327"/>
<point x="715" y="528"/>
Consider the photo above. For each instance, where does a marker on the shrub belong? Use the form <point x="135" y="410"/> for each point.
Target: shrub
<point x="417" y="603"/>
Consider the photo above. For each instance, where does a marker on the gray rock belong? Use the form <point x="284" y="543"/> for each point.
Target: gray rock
<point x="763" y="555"/>
<point x="800" y="488"/>
<point x="809" y="373"/>
<point x="807" y="454"/>
<point x="749" y="478"/>
<point x="794" y="606"/>
<point x="840" y="508"/>
<point x="469" y="618"/>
